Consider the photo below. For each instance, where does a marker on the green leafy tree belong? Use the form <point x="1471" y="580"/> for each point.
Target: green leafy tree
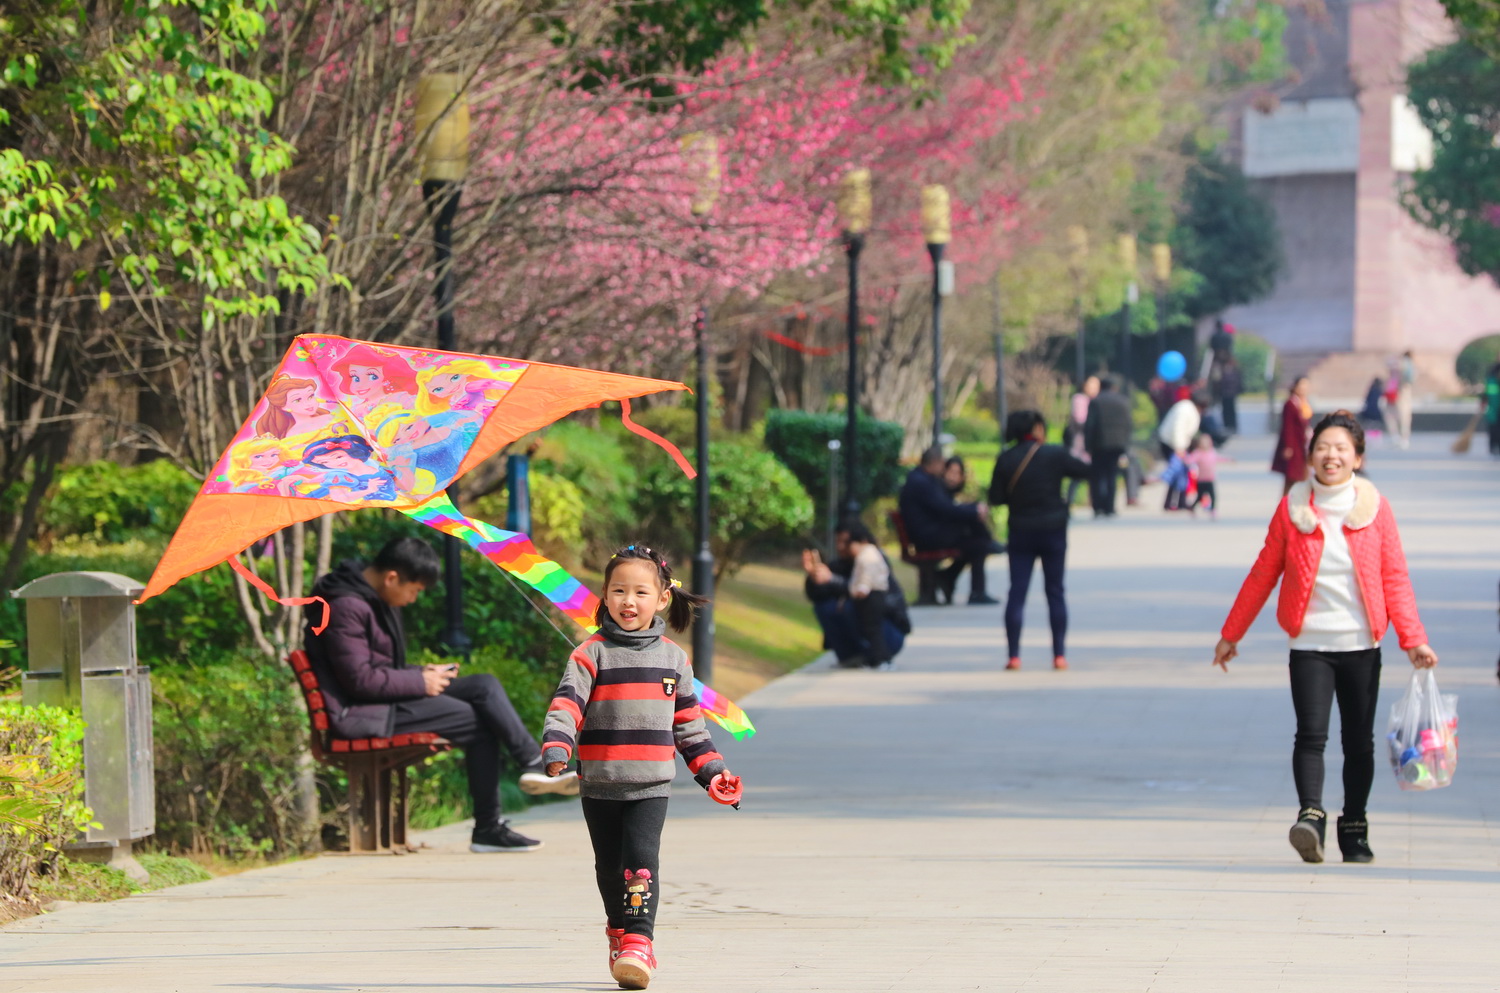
<point x="1227" y="234"/>
<point x="1456" y="92"/>
<point x="1478" y="20"/>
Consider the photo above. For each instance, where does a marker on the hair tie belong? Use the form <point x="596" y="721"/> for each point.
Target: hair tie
<point x="677" y="583"/>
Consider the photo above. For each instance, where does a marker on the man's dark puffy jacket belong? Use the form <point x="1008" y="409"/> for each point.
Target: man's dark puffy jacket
<point x="1109" y="426"/>
<point x="360" y="660"/>
<point x="933" y="520"/>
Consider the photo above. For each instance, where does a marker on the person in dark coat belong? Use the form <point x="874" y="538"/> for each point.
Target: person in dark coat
<point x="934" y="521"/>
<point x="1228" y="387"/>
<point x="1028" y="478"/>
<point x="845" y="625"/>
<point x="371" y="691"/>
<point x="1106" y="435"/>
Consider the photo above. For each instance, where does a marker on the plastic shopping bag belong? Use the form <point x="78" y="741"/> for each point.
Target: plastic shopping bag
<point x="1423" y="735"/>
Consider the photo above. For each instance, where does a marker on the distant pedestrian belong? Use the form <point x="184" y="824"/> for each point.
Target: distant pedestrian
<point x="625" y="708"/>
<point x="1405" y="373"/>
<point x="1334" y="547"/>
<point x="1028" y="479"/>
<point x="1231" y="383"/>
<point x="1491" y="402"/>
<point x="844" y="619"/>
<point x="1176" y="434"/>
<point x="1106" y="433"/>
<point x="1204" y="461"/>
<point x="1296" y="421"/>
<point x="1372" y="415"/>
<point x="1073" y="431"/>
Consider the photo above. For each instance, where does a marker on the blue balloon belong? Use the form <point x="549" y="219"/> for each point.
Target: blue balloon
<point x="1171" y="366"/>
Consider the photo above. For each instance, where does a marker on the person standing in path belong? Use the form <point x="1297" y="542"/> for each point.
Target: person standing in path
<point x="1230" y="385"/>
<point x="1296" y="419"/>
<point x="1028" y="478"/>
<point x="1106" y="434"/>
<point x="1073" y="432"/>
<point x="934" y="521"/>
<point x="1490" y="404"/>
<point x="1406" y="384"/>
<point x="1334" y="546"/>
<point x="360" y="662"/>
<point x="625" y="706"/>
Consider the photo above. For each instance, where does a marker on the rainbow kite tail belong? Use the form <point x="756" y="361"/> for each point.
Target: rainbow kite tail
<point x="723" y="711"/>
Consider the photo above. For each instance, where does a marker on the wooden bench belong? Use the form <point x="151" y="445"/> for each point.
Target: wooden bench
<point x="376" y="768"/>
<point x="926" y="562"/>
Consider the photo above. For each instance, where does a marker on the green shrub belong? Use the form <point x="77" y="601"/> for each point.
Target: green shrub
<point x="1473" y="363"/>
<point x="753" y="496"/>
<point x="594" y="460"/>
<point x="109" y="502"/>
<point x="41" y="792"/>
<point x="92" y="882"/>
<point x="228" y="736"/>
<point x="799" y="439"/>
<point x="969" y="430"/>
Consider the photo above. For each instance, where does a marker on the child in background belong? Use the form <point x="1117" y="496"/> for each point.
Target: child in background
<point x="625" y="701"/>
<point x="1204" y="459"/>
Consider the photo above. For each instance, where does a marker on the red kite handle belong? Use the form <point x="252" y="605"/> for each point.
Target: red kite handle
<point x="285" y="601"/>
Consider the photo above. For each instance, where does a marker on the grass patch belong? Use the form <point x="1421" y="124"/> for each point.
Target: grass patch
<point x="91" y="882"/>
<point x="764" y="627"/>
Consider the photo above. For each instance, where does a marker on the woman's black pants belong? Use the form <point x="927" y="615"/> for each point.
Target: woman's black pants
<point x="1318" y="678"/>
<point x="1051" y="546"/>
<point x="627" y="839"/>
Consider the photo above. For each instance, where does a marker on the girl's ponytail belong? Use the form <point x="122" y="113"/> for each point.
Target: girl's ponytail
<point x="683" y="605"/>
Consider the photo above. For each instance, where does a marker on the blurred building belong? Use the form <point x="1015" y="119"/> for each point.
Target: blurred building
<point x="1363" y="281"/>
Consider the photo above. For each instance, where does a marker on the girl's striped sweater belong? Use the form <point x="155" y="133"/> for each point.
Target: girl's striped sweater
<point x="624" y="706"/>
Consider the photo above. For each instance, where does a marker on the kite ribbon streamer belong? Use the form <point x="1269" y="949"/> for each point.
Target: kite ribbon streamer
<point x="782" y="339"/>
<point x="724" y="711"/>
<point x="514" y="553"/>
<point x="285" y="601"/>
<point x="652" y="436"/>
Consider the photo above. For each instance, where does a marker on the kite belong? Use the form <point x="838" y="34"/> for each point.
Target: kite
<point x="725" y="712"/>
<point x="347" y="424"/>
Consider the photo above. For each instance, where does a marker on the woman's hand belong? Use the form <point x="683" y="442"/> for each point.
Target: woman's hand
<point x="556" y="768"/>
<point x="1423" y="657"/>
<point x="1223" y="652"/>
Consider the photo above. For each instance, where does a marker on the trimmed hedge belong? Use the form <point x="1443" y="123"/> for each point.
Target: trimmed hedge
<point x="800" y="440"/>
<point x="41" y="792"/>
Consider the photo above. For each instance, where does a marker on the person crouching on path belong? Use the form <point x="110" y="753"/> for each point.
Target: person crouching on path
<point x="625" y="701"/>
<point x="1333" y="544"/>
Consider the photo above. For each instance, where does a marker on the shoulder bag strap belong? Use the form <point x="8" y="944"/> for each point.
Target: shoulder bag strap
<point x="1011" y="486"/>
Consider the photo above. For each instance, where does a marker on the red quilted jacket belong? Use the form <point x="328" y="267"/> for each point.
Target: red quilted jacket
<point x="1293" y="549"/>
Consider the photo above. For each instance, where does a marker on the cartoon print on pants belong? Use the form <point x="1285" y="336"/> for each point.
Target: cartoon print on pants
<point x="637" y="892"/>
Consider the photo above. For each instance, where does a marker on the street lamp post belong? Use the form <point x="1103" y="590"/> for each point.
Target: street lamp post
<point x="1132" y="294"/>
<point x="999" y="332"/>
<point x="1078" y="241"/>
<point x="701" y="157"/>
<point x="443" y="121"/>
<point x="854" y="207"/>
<point x="936" y="231"/>
<point x="1161" y="265"/>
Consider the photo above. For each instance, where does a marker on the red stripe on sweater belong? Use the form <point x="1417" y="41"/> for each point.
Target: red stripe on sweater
<point x="569" y="707"/>
<point x="627" y="753"/>
<point x="583" y="660"/>
<point x="703" y="760"/>
<point x="687" y="714"/>
<point x="628" y="691"/>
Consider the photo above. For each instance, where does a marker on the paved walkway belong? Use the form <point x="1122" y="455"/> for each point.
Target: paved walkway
<point x="949" y="826"/>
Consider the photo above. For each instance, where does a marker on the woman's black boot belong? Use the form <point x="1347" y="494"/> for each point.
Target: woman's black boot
<point x="1307" y="834"/>
<point x="1354" y="840"/>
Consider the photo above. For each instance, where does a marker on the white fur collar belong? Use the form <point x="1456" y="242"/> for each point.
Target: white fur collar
<point x="1366" y="505"/>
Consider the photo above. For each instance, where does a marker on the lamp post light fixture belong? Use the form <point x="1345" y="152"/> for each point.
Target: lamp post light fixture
<point x="443" y="124"/>
<point x="1132" y="295"/>
<point x="1161" y="268"/>
<point x="854" y="207"/>
<point x="700" y="153"/>
<point x="937" y="232"/>
<point x="1078" y="254"/>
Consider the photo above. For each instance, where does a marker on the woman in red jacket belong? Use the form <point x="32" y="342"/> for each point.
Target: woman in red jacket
<point x="1296" y="416"/>
<point x="1334" y="546"/>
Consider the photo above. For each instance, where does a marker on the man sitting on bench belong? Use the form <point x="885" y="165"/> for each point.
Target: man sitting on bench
<point x="370" y="691"/>
<point x="935" y="520"/>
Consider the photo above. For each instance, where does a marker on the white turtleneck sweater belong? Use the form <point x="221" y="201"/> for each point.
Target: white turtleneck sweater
<point x="1336" y="620"/>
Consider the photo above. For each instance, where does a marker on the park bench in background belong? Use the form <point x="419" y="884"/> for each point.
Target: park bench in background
<point x="926" y="562"/>
<point x="376" y="768"/>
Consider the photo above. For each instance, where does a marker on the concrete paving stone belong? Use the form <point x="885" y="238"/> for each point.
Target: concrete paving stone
<point x="947" y="825"/>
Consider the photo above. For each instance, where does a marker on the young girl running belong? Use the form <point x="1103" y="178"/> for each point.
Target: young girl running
<point x="625" y="701"/>
<point x="1333" y="544"/>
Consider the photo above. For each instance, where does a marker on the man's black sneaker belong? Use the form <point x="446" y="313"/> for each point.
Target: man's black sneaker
<point x="500" y="838"/>
<point x="1307" y="834"/>
<point x="536" y="781"/>
<point x="1354" y="840"/>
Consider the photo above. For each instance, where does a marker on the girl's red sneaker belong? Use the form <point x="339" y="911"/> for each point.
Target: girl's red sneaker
<point x="614" y="934"/>
<point x="1059" y="662"/>
<point x="1014" y="663"/>
<point x="635" y="964"/>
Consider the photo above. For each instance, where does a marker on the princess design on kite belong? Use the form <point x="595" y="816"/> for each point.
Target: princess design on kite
<point x="459" y="384"/>
<point x="424" y="452"/>
<point x="293" y="407"/>
<point x="348" y="473"/>
<point x="370" y="376"/>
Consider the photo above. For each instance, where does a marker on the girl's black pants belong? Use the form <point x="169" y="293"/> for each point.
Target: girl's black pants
<point x="1318" y="678"/>
<point x="627" y="839"/>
